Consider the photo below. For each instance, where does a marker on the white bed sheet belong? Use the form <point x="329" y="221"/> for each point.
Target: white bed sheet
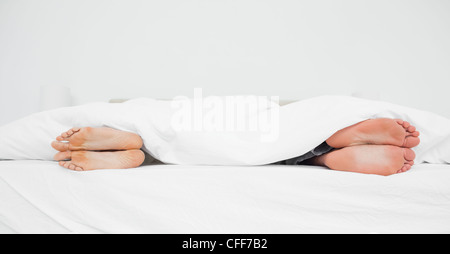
<point x="42" y="197"/>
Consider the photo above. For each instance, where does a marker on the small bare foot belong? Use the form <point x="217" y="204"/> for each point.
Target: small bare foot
<point x="369" y="159"/>
<point x="89" y="160"/>
<point x="96" y="139"/>
<point x="381" y="131"/>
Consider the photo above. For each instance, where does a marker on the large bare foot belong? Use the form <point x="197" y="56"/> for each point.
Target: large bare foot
<point x="96" y="139"/>
<point x="369" y="159"/>
<point x="89" y="160"/>
<point x="381" y="131"/>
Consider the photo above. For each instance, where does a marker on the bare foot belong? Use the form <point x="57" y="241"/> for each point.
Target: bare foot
<point x="96" y="139"/>
<point x="369" y="159"/>
<point x="381" y="131"/>
<point x="89" y="160"/>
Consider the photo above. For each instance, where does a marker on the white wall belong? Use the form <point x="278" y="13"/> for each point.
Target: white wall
<point x="294" y="49"/>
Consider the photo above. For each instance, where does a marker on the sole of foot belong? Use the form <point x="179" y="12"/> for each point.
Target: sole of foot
<point x="369" y="159"/>
<point x="96" y="139"/>
<point x="380" y="131"/>
<point x="89" y="160"/>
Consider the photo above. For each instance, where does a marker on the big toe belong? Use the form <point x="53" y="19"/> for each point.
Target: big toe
<point x="411" y="141"/>
<point x="60" y="146"/>
<point x="67" y="155"/>
<point x="409" y="154"/>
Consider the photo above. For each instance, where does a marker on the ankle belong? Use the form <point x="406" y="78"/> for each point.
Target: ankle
<point x="317" y="161"/>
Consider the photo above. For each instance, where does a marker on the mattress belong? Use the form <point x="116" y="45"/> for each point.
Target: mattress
<point x="42" y="197"/>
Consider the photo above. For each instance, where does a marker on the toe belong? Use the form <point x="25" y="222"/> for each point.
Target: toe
<point x="409" y="163"/>
<point x="411" y="129"/>
<point x="411" y="142"/>
<point x="60" y="146"/>
<point x="67" y="164"/>
<point x="64" y="164"/>
<point x="69" y="133"/>
<point x="67" y="155"/>
<point x="405" y="168"/>
<point x="406" y="124"/>
<point x="70" y="165"/>
<point x="60" y="138"/>
<point x="409" y="154"/>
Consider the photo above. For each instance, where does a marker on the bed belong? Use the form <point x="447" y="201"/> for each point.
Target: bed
<point x="39" y="196"/>
<point x="42" y="197"/>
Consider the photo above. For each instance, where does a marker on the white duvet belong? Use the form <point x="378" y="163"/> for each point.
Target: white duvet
<point x="299" y="127"/>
